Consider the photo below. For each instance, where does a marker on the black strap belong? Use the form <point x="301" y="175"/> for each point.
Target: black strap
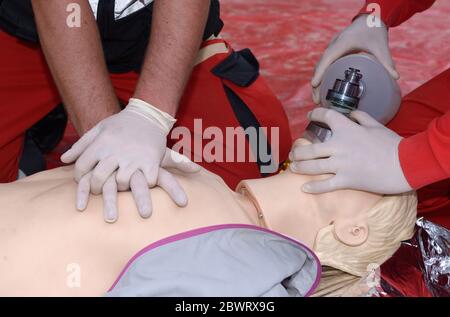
<point x="241" y="68"/>
<point x="247" y="120"/>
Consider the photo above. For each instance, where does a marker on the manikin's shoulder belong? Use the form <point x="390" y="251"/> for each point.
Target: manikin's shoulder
<point x="202" y="178"/>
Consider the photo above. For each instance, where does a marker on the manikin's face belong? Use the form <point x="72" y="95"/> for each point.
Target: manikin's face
<point x="289" y="210"/>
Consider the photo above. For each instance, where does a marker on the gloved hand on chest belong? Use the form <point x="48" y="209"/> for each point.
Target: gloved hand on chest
<point x="128" y="150"/>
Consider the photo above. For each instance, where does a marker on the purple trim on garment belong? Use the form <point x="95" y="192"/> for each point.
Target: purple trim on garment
<point x="196" y="232"/>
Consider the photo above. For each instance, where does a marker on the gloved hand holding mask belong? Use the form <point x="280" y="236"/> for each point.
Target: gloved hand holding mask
<point x="359" y="36"/>
<point x="362" y="155"/>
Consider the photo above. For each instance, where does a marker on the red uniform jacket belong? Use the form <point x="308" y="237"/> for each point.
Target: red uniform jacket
<point x="424" y="157"/>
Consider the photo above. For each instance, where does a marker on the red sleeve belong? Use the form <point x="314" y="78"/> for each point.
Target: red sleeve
<point x="425" y="157"/>
<point x="395" y="12"/>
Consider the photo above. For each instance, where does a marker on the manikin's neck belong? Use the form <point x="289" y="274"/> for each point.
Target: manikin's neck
<point x="285" y="208"/>
<point x="295" y="214"/>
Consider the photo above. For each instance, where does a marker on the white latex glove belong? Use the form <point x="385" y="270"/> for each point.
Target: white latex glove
<point x="139" y="187"/>
<point x="131" y="141"/>
<point x="362" y="156"/>
<point x="356" y="37"/>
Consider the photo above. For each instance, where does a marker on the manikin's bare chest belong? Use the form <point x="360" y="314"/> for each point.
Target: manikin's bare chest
<point x="47" y="248"/>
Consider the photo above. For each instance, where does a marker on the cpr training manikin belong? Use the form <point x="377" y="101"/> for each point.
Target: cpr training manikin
<point x="266" y="238"/>
<point x="144" y="155"/>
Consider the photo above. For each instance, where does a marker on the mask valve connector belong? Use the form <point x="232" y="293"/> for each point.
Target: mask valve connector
<point x="345" y="94"/>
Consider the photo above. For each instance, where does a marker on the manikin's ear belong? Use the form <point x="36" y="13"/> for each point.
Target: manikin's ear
<point x="351" y="232"/>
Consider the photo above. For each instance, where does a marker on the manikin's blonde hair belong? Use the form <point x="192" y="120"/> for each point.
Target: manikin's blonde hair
<point x="389" y="222"/>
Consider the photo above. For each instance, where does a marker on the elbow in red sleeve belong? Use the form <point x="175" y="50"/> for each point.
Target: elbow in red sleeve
<point x="425" y="157"/>
<point x="395" y="12"/>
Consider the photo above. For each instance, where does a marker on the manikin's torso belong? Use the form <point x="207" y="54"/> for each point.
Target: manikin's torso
<point x="44" y="240"/>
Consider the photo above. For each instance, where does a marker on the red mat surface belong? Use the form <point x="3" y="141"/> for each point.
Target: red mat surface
<point x="289" y="36"/>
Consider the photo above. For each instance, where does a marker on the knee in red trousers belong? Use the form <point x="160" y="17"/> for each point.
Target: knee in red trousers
<point x="220" y="105"/>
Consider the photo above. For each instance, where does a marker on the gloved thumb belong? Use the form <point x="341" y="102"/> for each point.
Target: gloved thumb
<point x="316" y="95"/>
<point x="320" y="187"/>
<point x="364" y="119"/>
<point x="80" y="146"/>
<point x="173" y="159"/>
